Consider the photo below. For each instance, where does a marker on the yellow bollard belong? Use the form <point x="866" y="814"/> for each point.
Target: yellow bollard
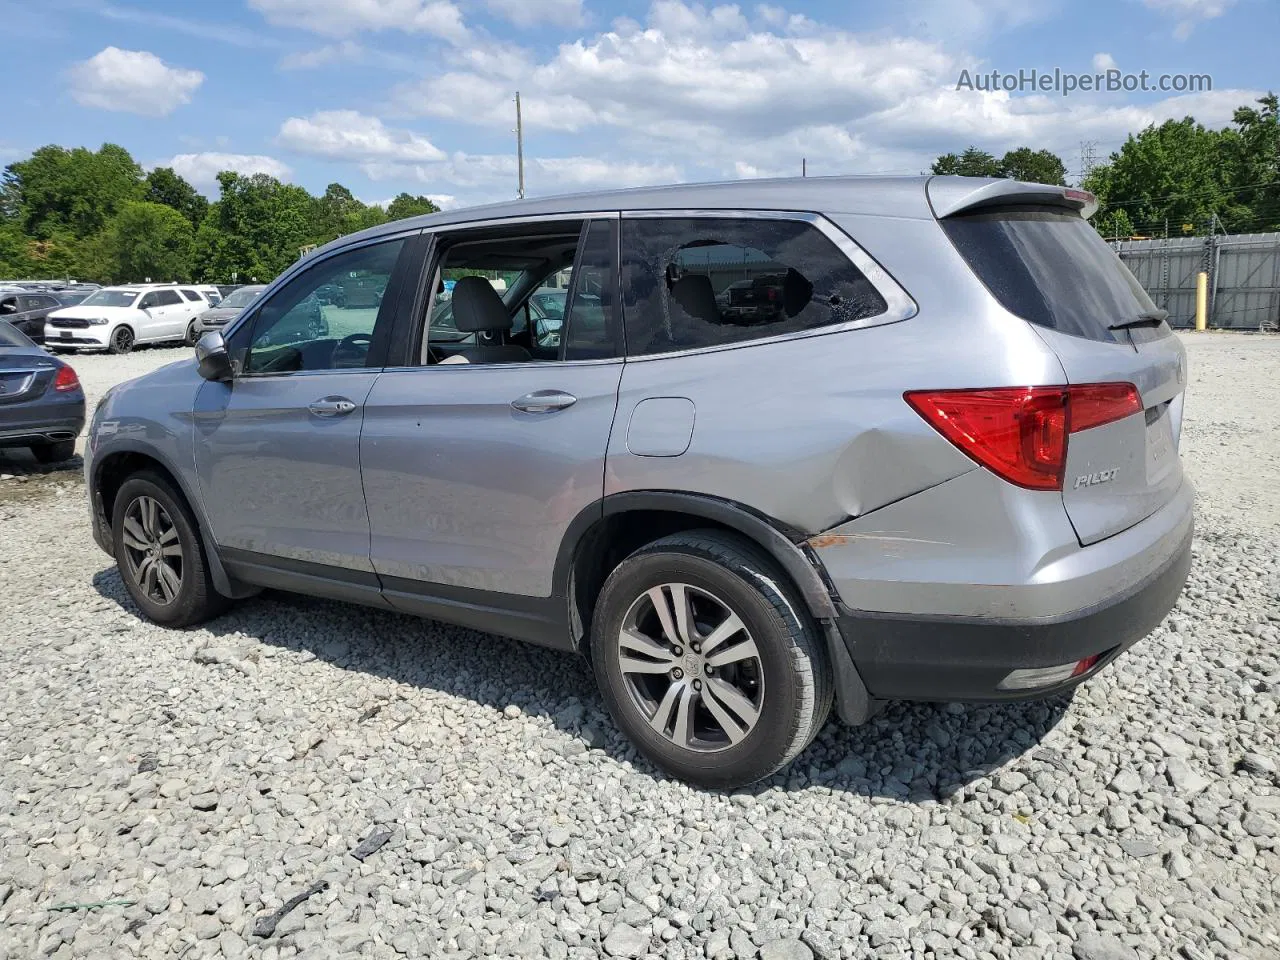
<point x="1202" y="300"/>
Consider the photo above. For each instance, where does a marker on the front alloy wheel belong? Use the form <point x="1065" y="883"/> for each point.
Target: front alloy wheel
<point x="153" y="550"/>
<point x="691" y="667"/>
<point x="121" y="340"/>
<point x="156" y="542"/>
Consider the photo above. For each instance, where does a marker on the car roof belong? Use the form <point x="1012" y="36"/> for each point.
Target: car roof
<point x="921" y="197"/>
<point x="869" y="195"/>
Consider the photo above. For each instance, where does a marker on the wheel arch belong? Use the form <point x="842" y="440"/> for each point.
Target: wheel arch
<point x="111" y="468"/>
<point x="601" y="535"/>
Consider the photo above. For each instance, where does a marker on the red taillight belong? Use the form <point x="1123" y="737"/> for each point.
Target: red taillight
<point x="66" y="380"/>
<point x="1093" y="404"/>
<point x="1020" y="433"/>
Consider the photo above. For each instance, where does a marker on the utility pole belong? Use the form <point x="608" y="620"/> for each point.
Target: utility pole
<point x="519" y="146"/>
<point x="804" y="167"/>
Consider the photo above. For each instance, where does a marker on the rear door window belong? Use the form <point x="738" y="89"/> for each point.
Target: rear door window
<point x="167" y="298"/>
<point x="1050" y="267"/>
<point x="705" y="282"/>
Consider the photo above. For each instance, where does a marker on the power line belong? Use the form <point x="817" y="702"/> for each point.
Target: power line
<point x="1190" y="196"/>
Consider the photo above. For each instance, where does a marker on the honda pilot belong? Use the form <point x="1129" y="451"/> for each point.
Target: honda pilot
<point x="796" y="445"/>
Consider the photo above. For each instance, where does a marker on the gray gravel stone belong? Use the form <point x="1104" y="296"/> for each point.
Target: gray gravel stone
<point x="1099" y="946"/>
<point x="786" y="949"/>
<point x="626" y="941"/>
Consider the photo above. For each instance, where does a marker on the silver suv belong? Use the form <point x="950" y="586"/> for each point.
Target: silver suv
<point x="795" y="442"/>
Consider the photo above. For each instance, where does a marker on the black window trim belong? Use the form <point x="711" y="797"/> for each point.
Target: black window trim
<point x="409" y="339"/>
<point x="899" y="304"/>
<point x="614" y="318"/>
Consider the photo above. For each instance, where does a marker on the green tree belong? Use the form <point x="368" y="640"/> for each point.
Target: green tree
<point x="405" y="205"/>
<point x="164" y="185"/>
<point x="1033" y="166"/>
<point x="74" y="190"/>
<point x="338" y="212"/>
<point x="972" y="163"/>
<point x="1257" y="166"/>
<point x="150" y="240"/>
<point x="256" y="229"/>
<point x="1179" y="172"/>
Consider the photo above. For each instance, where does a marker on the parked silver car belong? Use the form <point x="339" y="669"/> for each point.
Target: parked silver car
<point x="225" y="310"/>
<point x="926" y="447"/>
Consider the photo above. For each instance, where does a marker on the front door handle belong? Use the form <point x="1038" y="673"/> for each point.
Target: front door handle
<point x="331" y="407"/>
<point x="544" y="401"/>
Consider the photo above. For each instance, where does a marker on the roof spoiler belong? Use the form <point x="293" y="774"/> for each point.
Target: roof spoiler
<point x="951" y="195"/>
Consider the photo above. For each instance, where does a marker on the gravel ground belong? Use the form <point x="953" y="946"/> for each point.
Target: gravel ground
<point x="419" y="790"/>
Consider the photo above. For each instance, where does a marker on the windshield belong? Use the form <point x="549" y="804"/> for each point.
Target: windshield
<point x="1050" y="267"/>
<point x="110" y="298"/>
<point x="239" y="299"/>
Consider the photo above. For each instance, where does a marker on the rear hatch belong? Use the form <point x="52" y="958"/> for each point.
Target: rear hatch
<point x="1046" y="264"/>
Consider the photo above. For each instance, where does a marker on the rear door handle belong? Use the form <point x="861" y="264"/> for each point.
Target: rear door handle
<point x="544" y="401"/>
<point x="331" y="407"/>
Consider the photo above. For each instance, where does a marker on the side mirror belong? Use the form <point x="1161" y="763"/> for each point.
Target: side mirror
<point x="212" y="360"/>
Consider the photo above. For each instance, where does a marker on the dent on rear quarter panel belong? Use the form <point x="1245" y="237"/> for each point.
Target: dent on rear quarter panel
<point x="813" y="431"/>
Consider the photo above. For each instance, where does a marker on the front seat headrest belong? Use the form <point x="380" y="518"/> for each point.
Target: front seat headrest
<point x="477" y="307"/>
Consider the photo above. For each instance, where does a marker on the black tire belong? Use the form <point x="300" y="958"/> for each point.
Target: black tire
<point x="195" y="600"/>
<point x="796" y="680"/>
<point x="121" y="340"/>
<point x="54" y="452"/>
<point x="191" y="336"/>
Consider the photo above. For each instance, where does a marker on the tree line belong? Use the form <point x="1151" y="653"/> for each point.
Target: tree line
<point x="95" y="215"/>
<point x="1177" y="178"/>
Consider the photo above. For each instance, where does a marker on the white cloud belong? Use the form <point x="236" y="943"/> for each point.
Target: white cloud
<point x="960" y="22"/>
<point x="537" y="13"/>
<point x="1188" y="13"/>
<point x="698" y="92"/>
<point x="1104" y="61"/>
<point x="342" y="18"/>
<point x="132" y="80"/>
<point x="202" y="169"/>
<point x="349" y="135"/>
<point x="494" y="176"/>
<point x="347" y="50"/>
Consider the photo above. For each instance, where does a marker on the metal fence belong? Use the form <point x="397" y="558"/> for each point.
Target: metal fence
<point x="1244" y="277"/>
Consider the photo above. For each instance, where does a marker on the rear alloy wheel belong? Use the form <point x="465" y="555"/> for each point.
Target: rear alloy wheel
<point x="708" y="660"/>
<point x="192" y="336"/>
<point x="158" y="551"/>
<point x="121" y="340"/>
<point x="691" y="666"/>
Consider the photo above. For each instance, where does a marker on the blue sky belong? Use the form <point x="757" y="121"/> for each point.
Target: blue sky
<point x="392" y="95"/>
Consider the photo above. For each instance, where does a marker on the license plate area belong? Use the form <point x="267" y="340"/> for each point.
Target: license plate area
<point x="1161" y="453"/>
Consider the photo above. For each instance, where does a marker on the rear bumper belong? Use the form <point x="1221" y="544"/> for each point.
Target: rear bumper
<point x="958" y="637"/>
<point x="48" y="422"/>
<point x="958" y="658"/>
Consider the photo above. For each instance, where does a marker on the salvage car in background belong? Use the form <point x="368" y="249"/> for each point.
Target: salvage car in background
<point x="27" y="310"/>
<point x="41" y="401"/>
<point x="117" y="319"/>
<point x="228" y="309"/>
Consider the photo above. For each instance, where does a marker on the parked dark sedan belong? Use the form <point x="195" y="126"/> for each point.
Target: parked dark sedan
<point x="27" y="310"/>
<point x="41" y="401"/>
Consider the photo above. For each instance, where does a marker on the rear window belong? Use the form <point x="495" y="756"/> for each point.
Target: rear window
<point x="1049" y="266"/>
<point x="706" y="282"/>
